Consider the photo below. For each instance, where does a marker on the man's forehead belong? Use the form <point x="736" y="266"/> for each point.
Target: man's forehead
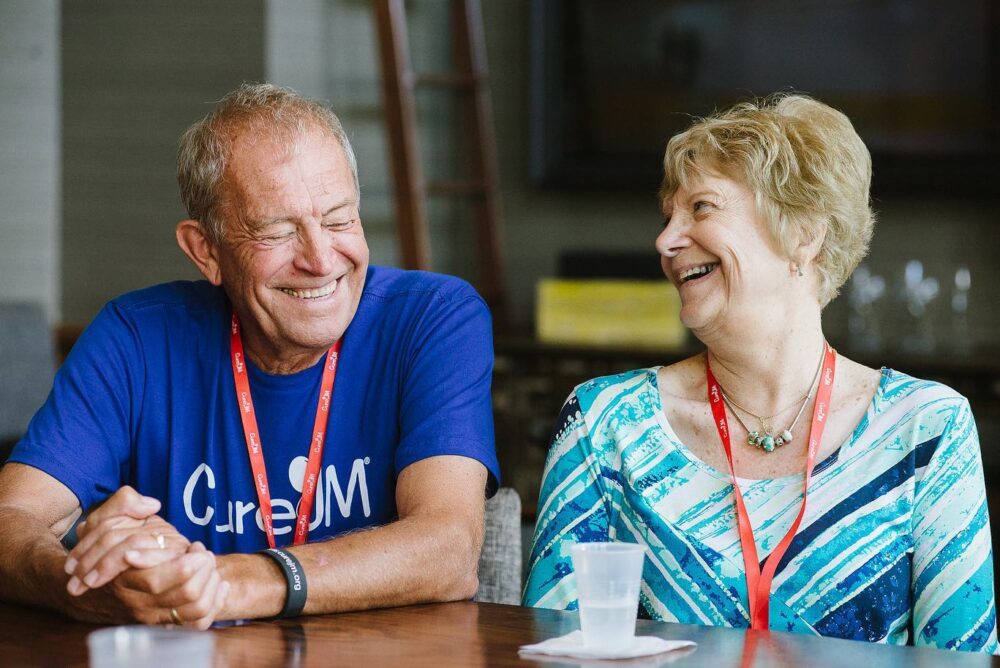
<point x="266" y="164"/>
<point x="254" y="152"/>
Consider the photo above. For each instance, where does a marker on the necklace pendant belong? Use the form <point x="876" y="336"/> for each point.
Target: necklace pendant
<point x="752" y="437"/>
<point x="786" y="436"/>
<point x="768" y="443"/>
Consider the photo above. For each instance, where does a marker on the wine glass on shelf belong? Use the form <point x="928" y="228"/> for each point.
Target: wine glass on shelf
<point x="864" y="332"/>
<point x="918" y="292"/>
<point x="960" y="340"/>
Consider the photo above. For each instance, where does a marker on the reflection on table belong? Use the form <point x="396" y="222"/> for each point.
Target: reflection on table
<point x="462" y="634"/>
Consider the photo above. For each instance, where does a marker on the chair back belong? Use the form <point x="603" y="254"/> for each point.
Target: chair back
<point x="27" y="365"/>
<point x="500" y="561"/>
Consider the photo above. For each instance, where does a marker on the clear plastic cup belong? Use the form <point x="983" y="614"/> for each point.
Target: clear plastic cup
<point x="152" y="646"/>
<point x="607" y="585"/>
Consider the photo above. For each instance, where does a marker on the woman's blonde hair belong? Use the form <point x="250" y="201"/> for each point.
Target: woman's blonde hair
<point x="809" y="171"/>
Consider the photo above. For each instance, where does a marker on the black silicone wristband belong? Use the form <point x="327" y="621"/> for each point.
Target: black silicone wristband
<point x="295" y="581"/>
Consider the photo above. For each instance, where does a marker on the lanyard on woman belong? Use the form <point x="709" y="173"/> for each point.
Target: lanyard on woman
<point x="254" y="446"/>
<point x="758" y="582"/>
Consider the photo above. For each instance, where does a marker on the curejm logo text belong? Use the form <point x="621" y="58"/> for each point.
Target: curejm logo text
<point x="328" y="488"/>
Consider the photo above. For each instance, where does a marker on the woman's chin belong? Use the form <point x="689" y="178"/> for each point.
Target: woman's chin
<point x="704" y="324"/>
<point x="693" y="317"/>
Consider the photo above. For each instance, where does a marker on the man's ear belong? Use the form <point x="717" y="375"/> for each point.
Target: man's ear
<point x="200" y="249"/>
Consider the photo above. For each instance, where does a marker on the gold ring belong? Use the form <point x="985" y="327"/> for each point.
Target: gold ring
<point x="175" y="617"/>
<point x="161" y="541"/>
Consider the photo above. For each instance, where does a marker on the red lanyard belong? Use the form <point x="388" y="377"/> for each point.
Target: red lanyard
<point x="252" y="434"/>
<point x="759" y="583"/>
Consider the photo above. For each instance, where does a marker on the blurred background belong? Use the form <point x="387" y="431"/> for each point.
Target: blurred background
<point x="584" y="95"/>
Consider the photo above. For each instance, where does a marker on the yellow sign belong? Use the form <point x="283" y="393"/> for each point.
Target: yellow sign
<point x="609" y="312"/>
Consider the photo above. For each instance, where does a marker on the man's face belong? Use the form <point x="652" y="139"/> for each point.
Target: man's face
<point x="294" y="257"/>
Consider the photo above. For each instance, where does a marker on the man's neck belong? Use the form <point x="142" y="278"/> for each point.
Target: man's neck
<point x="285" y="366"/>
<point x="279" y="362"/>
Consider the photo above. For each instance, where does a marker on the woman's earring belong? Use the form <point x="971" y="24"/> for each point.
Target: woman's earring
<point x="798" y="268"/>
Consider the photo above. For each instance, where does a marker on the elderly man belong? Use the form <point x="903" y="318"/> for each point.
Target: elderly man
<point x="301" y="432"/>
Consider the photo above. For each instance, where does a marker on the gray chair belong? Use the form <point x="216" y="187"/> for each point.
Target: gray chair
<point x="500" y="561"/>
<point x="27" y="365"/>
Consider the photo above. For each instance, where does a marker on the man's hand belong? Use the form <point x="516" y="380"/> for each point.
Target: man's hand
<point x="122" y="533"/>
<point x="35" y="509"/>
<point x="190" y="585"/>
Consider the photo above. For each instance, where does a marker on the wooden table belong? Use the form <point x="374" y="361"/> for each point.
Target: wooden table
<point x="461" y="634"/>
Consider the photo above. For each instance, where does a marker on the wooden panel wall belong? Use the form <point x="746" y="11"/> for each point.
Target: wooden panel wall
<point x="135" y="75"/>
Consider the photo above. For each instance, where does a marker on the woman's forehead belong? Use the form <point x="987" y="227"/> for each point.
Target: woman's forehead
<point x="703" y="178"/>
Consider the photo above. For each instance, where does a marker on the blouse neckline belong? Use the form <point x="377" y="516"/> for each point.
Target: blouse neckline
<point x="652" y="386"/>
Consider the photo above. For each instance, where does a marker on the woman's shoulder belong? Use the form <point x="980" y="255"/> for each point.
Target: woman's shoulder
<point x="900" y="389"/>
<point x="613" y="387"/>
<point x="891" y="387"/>
<point x="913" y="410"/>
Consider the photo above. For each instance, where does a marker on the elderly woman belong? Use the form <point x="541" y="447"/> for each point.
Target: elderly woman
<point x="775" y="483"/>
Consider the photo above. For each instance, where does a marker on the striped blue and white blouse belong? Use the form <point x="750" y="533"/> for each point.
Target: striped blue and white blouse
<point x="894" y="546"/>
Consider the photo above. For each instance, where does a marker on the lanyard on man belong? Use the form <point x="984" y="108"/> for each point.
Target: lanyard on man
<point x="255" y="448"/>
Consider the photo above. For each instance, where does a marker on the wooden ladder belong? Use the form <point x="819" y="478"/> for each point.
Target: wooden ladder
<point x="470" y="80"/>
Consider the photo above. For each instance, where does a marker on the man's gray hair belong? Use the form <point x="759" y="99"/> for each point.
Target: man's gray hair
<point x="253" y="109"/>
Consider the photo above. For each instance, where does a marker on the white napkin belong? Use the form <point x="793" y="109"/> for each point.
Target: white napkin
<point x="571" y="644"/>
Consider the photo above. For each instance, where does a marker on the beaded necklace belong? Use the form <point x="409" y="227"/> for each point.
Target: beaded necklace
<point x="765" y="439"/>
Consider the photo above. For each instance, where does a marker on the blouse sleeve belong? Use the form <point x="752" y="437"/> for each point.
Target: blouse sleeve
<point x="952" y="575"/>
<point x="573" y="507"/>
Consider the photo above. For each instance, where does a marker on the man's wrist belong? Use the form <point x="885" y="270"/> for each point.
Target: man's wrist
<point x="295" y="581"/>
<point x="257" y="586"/>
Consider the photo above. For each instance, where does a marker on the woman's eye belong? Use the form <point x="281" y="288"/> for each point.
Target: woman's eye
<point x="701" y="205"/>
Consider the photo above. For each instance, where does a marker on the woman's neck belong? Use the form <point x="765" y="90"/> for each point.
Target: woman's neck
<point x="768" y="368"/>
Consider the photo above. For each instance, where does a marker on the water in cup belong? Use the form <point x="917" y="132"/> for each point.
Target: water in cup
<point x="150" y="647"/>
<point x="609" y="623"/>
<point x="607" y="580"/>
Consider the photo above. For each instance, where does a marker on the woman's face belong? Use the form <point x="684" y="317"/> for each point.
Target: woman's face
<point x="715" y="248"/>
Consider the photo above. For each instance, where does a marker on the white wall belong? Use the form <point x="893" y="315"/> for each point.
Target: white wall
<point x="30" y="153"/>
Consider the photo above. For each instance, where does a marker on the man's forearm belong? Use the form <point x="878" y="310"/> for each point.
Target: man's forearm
<point x="413" y="560"/>
<point x="31" y="562"/>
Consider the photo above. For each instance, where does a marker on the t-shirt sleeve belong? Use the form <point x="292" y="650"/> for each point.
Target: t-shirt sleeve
<point x="573" y="507"/>
<point x="952" y="584"/>
<point x="82" y="433"/>
<point x="446" y="406"/>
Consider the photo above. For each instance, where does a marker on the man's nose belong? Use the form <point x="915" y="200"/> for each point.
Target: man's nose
<point x="316" y="252"/>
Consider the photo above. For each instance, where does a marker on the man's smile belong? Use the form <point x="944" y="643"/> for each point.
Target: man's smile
<point x="312" y="293"/>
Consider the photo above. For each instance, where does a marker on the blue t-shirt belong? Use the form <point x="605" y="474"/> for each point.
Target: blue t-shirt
<point x="147" y="398"/>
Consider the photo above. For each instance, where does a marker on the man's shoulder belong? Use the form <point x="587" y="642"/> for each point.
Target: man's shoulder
<point x="388" y="284"/>
<point x="169" y="296"/>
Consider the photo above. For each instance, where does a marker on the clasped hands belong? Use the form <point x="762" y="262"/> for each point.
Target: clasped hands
<point x="151" y="573"/>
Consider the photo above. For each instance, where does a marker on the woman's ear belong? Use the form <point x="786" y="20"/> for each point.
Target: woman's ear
<point x="200" y="249"/>
<point x="810" y="243"/>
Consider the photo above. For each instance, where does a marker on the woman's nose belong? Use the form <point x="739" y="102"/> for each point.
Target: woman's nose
<point x="673" y="238"/>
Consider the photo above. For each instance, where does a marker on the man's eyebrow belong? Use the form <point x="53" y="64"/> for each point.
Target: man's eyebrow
<point x="342" y="204"/>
